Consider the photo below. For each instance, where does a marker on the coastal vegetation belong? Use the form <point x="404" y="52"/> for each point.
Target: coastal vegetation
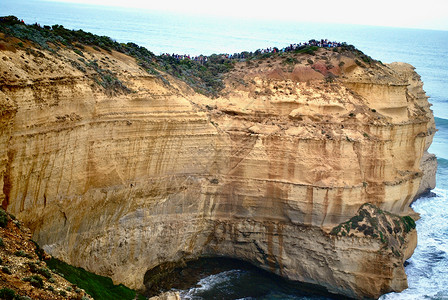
<point x="373" y="221"/>
<point x="99" y="287"/>
<point x="23" y="259"/>
<point x="204" y="75"/>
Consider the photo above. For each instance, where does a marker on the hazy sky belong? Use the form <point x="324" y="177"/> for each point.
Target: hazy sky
<point x="429" y="14"/>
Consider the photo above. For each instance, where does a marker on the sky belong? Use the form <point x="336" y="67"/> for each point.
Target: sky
<point x="428" y="14"/>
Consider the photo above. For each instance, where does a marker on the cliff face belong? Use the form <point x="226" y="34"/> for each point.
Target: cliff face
<point x="121" y="174"/>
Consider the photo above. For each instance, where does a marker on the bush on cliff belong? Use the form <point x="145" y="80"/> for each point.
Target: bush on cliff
<point x="8" y="294"/>
<point x="35" y="281"/>
<point x="3" y="218"/>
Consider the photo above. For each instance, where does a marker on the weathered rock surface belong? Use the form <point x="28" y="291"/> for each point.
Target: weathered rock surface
<point x="167" y="296"/>
<point x="23" y="273"/>
<point x="120" y="182"/>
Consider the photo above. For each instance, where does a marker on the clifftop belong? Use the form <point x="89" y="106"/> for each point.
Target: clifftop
<point x="118" y="165"/>
<point x="202" y="73"/>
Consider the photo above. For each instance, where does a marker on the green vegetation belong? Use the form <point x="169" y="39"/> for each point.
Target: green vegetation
<point x="408" y="222"/>
<point x="350" y="48"/>
<point x="44" y="272"/>
<point x="307" y="50"/>
<point x="35" y="281"/>
<point x="290" y="61"/>
<point x="374" y="222"/>
<point x="3" y="218"/>
<point x="97" y="286"/>
<point x="39" y="251"/>
<point x="79" y="52"/>
<point x="8" y="294"/>
<point x="108" y="80"/>
<point x="204" y="76"/>
<point x="22" y="253"/>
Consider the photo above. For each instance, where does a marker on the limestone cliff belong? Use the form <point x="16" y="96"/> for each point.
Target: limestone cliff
<point x="119" y="178"/>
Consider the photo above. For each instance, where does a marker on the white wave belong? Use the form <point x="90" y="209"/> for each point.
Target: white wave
<point x="427" y="269"/>
<point x="210" y="282"/>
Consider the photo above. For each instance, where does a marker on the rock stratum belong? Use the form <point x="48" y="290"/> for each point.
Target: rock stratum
<point x="276" y="170"/>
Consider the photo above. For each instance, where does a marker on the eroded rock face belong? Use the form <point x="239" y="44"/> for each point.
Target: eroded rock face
<point x="120" y="180"/>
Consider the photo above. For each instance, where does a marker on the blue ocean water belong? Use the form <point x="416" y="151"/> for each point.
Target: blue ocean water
<point x="163" y="32"/>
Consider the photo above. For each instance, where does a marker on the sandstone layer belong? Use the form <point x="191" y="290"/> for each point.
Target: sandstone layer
<point x="119" y="181"/>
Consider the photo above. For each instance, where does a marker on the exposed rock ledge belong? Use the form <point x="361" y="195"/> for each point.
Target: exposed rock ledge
<point x="119" y="183"/>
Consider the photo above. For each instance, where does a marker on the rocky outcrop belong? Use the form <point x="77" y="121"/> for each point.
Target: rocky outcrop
<point x="120" y="178"/>
<point x="167" y="296"/>
<point x="24" y="274"/>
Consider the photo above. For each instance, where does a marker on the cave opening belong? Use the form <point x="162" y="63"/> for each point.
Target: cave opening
<point x="226" y="278"/>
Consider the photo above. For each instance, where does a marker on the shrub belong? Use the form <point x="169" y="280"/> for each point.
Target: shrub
<point x="3" y="218"/>
<point x="79" y="52"/>
<point x="2" y="244"/>
<point x="35" y="281"/>
<point x="63" y="293"/>
<point x="290" y="61"/>
<point x="44" y="272"/>
<point x="6" y="270"/>
<point x="310" y="61"/>
<point x="69" y="288"/>
<point x="408" y="223"/>
<point x="330" y="78"/>
<point x="39" y="251"/>
<point x="33" y="267"/>
<point x="307" y="50"/>
<point x="22" y="253"/>
<point x="8" y="294"/>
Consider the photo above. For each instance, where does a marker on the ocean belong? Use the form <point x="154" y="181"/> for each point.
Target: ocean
<point x="163" y="32"/>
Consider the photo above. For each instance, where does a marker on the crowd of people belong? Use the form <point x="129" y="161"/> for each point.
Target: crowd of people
<point x="201" y="58"/>
<point x="323" y="43"/>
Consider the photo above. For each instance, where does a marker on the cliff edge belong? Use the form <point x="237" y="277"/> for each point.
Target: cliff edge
<point x="119" y="162"/>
